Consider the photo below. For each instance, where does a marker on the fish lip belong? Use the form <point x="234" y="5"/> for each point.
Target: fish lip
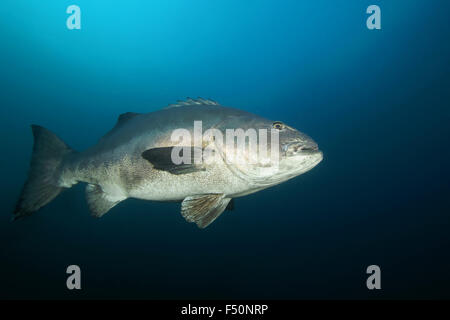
<point x="302" y="149"/>
<point x="310" y="152"/>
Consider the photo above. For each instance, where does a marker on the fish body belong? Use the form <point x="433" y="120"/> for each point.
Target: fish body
<point x="136" y="160"/>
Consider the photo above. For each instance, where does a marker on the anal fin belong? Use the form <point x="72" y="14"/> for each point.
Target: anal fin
<point x="98" y="201"/>
<point x="204" y="209"/>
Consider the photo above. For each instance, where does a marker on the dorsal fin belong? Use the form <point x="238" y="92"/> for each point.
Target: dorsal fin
<point x="122" y="119"/>
<point x="193" y="102"/>
<point x="125" y="117"/>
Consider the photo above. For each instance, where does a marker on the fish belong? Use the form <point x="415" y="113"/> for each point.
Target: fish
<point x="140" y="158"/>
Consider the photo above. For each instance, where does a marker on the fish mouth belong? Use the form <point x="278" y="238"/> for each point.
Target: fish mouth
<point x="309" y="152"/>
<point x="301" y="148"/>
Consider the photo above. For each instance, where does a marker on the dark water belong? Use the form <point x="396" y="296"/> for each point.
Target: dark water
<point x="377" y="102"/>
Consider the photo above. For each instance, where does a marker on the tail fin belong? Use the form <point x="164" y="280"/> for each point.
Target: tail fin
<point x="41" y="186"/>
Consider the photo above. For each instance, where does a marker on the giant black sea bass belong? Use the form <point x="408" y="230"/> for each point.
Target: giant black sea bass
<point x="159" y="156"/>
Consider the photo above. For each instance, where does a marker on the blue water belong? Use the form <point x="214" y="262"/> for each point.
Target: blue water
<point x="377" y="102"/>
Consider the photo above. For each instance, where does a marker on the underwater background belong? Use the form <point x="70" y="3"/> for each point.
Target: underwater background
<point x="376" y="101"/>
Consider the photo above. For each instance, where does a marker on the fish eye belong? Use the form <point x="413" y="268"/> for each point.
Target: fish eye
<point x="278" y="125"/>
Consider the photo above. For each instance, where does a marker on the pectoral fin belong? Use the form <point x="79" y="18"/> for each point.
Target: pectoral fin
<point x="203" y="209"/>
<point x="161" y="159"/>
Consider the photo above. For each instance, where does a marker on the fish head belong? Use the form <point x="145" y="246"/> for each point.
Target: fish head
<point x="298" y="152"/>
<point x="281" y="152"/>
